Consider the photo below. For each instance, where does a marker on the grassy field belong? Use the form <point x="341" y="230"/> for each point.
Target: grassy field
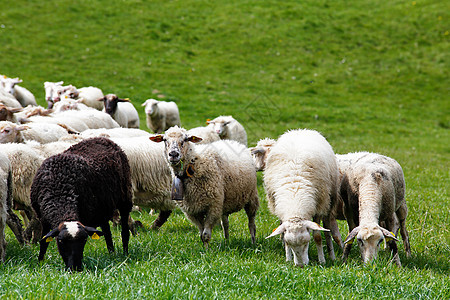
<point x="369" y="75"/>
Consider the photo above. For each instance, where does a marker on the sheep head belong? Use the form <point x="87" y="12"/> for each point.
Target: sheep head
<point x="71" y="238"/>
<point x="220" y="125"/>
<point x="177" y="145"/>
<point x="7" y="113"/>
<point x="10" y="132"/>
<point x="369" y="237"/>
<point x="110" y="103"/>
<point x="50" y="91"/>
<point x="151" y="106"/>
<point x="260" y="152"/>
<point x="9" y="84"/>
<point x="296" y="235"/>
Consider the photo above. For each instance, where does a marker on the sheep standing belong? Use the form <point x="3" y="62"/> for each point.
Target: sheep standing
<point x="301" y="178"/>
<point x="24" y="96"/>
<point x="229" y="129"/>
<point x="373" y="190"/>
<point x="121" y="110"/>
<point x="161" y="115"/>
<point x="218" y="179"/>
<point x="78" y="190"/>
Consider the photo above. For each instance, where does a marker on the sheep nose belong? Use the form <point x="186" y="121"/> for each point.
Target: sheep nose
<point x="173" y="154"/>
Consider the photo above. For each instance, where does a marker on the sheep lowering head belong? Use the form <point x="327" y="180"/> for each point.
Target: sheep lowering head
<point x="260" y="152"/>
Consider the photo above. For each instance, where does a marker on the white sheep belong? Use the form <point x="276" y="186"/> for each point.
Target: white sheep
<point x="301" y="178"/>
<point x="40" y="132"/>
<point x="119" y="132"/>
<point x="215" y="179"/>
<point x="86" y="95"/>
<point x="24" y="96"/>
<point x="51" y="92"/>
<point x="229" y="129"/>
<point x="161" y="115"/>
<point x="206" y="133"/>
<point x="8" y="100"/>
<point x="121" y="110"/>
<point x="373" y="190"/>
<point x="5" y="172"/>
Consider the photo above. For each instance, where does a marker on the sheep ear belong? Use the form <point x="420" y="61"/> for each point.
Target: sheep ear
<point x="279" y="230"/>
<point x="314" y="226"/>
<point x="93" y="232"/>
<point x="388" y="235"/>
<point x="352" y="235"/>
<point x="15" y="110"/>
<point x="101" y="99"/>
<point x="49" y="236"/>
<point x="255" y="150"/>
<point x="194" y="139"/>
<point x="123" y="100"/>
<point x="21" y="128"/>
<point x="145" y="103"/>
<point x="157" y="138"/>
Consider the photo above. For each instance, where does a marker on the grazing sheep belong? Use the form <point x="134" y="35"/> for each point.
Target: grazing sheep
<point x="229" y="129"/>
<point x="8" y="100"/>
<point x="161" y="115"/>
<point x="78" y="190"/>
<point x="207" y="134"/>
<point x="121" y="110"/>
<point x="218" y="179"/>
<point x="40" y="132"/>
<point x="301" y="178"/>
<point x="373" y="190"/>
<point x="24" y="96"/>
<point x="260" y="152"/>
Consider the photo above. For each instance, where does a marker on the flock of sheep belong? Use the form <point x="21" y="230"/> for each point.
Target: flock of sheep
<point x="70" y="167"/>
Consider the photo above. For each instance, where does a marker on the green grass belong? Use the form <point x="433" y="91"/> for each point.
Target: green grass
<point x="369" y="75"/>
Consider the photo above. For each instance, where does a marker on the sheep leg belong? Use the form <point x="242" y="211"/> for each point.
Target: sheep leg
<point x="250" y="210"/>
<point x="161" y="219"/>
<point x="336" y="233"/>
<point x="390" y="224"/>
<point x="14" y="223"/>
<point x="328" y="239"/>
<point x="401" y="214"/>
<point x="225" y="226"/>
<point x="125" y="231"/>
<point x="33" y="232"/>
<point x="210" y="220"/>
<point x="351" y="225"/>
<point x="43" y="244"/>
<point x="108" y="237"/>
<point x="318" y="240"/>
<point x="288" y="252"/>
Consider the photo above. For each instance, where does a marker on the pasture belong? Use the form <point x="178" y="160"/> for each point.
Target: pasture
<point x="369" y="75"/>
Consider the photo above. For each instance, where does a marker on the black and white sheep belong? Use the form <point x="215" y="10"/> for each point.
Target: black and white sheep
<point x="218" y="179"/>
<point x="161" y="115"/>
<point x="121" y="110"/>
<point x="301" y="180"/>
<point x="373" y="190"/>
<point x="78" y="190"/>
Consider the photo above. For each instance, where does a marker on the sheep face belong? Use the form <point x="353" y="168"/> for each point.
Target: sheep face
<point x="9" y="132"/>
<point x="110" y="103"/>
<point x="71" y="238"/>
<point x="176" y="144"/>
<point x="51" y="92"/>
<point x="9" y="84"/>
<point x="151" y="106"/>
<point x="296" y="238"/>
<point x="260" y="152"/>
<point x="220" y="126"/>
<point x="369" y="238"/>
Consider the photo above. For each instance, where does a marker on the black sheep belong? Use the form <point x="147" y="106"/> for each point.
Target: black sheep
<point x="78" y="190"/>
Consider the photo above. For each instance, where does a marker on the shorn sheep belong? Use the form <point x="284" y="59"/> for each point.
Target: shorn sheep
<point x="229" y="129"/>
<point x="24" y="96"/>
<point x="121" y="110"/>
<point x="301" y="178"/>
<point x="373" y="190"/>
<point x="78" y="190"/>
<point x="211" y="181"/>
<point x="161" y="115"/>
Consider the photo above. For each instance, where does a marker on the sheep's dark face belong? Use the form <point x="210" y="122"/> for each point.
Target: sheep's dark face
<point x="71" y="238"/>
<point x="110" y="103"/>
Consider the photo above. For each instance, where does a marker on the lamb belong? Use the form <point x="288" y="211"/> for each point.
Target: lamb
<point x="207" y="134"/>
<point x="373" y="190"/>
<point x="161" y="115"/>
<point x="40" y="132"/>
<point x="301" y="180"/>
<point x="78" y="190"/>
<point x="229" y="129"/>
<point x="121" y="110"/>
<point x="218" y="179"/>
<point x="24" y="96"/>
